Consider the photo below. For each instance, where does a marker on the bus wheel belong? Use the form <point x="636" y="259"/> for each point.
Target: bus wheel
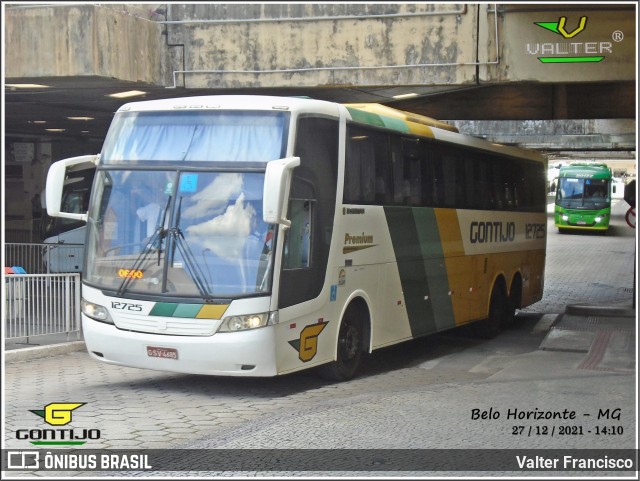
<point x="350" y="342"/>
<point x="490" y="327"/>
<point x="513" y="303"/>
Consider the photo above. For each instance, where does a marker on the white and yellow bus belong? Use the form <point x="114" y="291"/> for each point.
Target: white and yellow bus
<point x="257" y="236"/>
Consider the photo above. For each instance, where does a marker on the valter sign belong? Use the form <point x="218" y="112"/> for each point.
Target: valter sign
<point x="571" y="50"/>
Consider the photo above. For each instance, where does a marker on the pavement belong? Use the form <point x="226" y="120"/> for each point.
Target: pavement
<point x="606" y="333"/>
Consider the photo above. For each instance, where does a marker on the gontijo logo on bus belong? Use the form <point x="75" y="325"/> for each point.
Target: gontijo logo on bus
<point x="496" y="231"/>
<point x="307" y="344"/>
<point x="481" y="232"/>
<point x="571" y="51"/>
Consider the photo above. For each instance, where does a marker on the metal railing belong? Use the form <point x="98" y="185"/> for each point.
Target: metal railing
<point x="42" y="305"/>
<point x="44" y="258"/>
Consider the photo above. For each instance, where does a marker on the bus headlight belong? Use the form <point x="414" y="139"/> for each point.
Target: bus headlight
<point x="250" y="321"/>
<point x="565" y="217"/>
<point x="598" y="219"/>
<point x="95" y="311"/>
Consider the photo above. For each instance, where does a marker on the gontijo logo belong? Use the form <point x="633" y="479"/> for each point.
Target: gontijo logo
<point x="571" y="51"/>
<point x="307" y="344"/>
<point x="57" y="414"/>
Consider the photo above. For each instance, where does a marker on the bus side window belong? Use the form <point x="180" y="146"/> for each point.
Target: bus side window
<point x="401" y="186"/>
<point x="297" y="253"/>
<point x="497" y="188"/>
<point x="438" y="182"/>
<point x="360" y="181"/>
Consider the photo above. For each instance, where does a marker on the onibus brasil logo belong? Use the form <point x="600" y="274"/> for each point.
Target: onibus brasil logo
<point x="57" y="414"/>
<point x="570" y="51"/>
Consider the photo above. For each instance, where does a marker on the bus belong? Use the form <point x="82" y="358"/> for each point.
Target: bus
<point x="259" y="236"/>
<point x="583" y="197"/>
<point x="65" y="237"/>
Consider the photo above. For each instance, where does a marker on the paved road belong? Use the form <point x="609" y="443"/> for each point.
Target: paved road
<point x="420" y="394"/>
<point x="588" y="268"/>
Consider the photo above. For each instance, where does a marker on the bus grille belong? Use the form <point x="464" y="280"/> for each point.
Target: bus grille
<point x="171" y="326"/>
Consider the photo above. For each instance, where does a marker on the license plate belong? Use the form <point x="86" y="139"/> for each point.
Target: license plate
<point x="164" y="352"/>
<point x="581" y="222"/>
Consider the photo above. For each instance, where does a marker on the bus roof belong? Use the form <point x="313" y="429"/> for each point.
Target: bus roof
<point x="591" y="171"/>
<point x="233" y="102"/>
<point x="387" y="117"/>
<point x="384" y="116"/>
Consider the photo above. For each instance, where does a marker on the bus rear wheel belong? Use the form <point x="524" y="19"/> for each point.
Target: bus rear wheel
<point x="498" y="307"/>
<point x="512" y="303"/>
<point x="350" y="348"/>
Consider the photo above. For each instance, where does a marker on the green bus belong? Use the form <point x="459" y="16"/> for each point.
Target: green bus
<point x="583" y="197"/>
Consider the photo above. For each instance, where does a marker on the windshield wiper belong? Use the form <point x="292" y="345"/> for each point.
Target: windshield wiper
<point x="190" y="262"/>
<point x="157" y="236"/>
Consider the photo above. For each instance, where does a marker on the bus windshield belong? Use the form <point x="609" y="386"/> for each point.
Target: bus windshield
<point x="583" y="193"/>
<point x="190" y="234"/>
<point x="198" y="136"/>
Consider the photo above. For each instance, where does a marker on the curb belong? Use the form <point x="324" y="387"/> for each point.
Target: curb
<point x="38" y="352"/>
<point x="613" y="311"/>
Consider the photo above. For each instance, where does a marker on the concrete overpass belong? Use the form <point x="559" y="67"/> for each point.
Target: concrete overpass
<point x="557" y="77"/>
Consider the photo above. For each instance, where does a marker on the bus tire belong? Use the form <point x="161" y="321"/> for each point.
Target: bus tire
<point x="350" y="347"/>
<point x="513" y="302"/>
<point x="490" y="327"/>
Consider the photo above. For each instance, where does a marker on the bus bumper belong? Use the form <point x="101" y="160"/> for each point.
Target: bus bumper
<point x="246" y="353"/>
<point x="589" y="221"/>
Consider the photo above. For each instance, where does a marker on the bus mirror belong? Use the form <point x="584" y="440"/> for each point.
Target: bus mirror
<point x="55" y="183"/>
<point x="277" y="183"/>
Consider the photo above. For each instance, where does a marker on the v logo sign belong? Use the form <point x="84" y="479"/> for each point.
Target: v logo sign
<point x="559" y="27"/>
<point x="564" y="33"/>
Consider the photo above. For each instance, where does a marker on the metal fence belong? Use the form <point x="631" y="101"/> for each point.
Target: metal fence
<point x="44" y="258"/>
<point x="42" y="305"/>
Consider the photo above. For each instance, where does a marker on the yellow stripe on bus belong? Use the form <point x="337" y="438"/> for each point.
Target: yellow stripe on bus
<point x="461" y="269"/>
<point x="212" y="311"/>
<point x="449" y="230"/>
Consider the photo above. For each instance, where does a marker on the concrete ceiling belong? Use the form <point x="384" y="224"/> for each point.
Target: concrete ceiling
<point x="29" y="112"/>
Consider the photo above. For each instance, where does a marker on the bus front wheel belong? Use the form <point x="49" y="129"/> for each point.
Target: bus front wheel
<point x="350" y="347"/>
